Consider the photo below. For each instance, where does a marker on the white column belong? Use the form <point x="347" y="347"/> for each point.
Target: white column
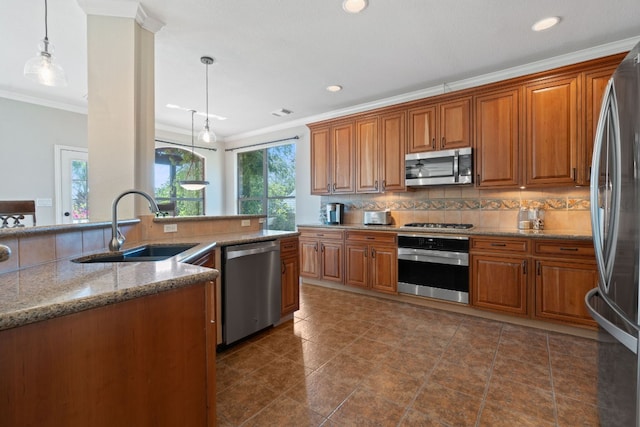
<point x="121" y="114"/>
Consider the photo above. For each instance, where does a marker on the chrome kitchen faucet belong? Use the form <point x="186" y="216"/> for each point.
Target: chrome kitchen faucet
<point x="117" y="238"/>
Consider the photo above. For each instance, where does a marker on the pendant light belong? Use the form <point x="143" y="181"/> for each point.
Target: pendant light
<point x="194" y="184"/>
<point x="42" y="68"/>
<point x="206" y="135"/>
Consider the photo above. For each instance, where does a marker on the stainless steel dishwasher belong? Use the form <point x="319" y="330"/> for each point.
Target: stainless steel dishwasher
<point x="250" y="289"/>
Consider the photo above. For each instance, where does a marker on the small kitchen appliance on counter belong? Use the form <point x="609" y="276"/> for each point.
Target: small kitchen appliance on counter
<point x="335" y="213"/>
<point x="377" y="218"/>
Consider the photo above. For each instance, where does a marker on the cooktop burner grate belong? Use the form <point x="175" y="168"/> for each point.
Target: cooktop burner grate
<point x="439" y="225"/>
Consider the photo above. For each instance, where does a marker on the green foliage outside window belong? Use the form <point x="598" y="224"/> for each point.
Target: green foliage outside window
<point x="171" y="166"/>
<point x="267" y="185"/>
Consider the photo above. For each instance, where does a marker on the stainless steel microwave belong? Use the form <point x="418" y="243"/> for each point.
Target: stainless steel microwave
<point x="439" y="167"/>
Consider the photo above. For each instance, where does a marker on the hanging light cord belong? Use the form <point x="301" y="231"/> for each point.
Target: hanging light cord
<point x="46" y="29"/>
<point x="192" y="146"/>
<point x="206" y="79"/>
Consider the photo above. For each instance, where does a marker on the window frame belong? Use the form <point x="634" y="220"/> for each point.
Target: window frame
<point x="173" y="198"/>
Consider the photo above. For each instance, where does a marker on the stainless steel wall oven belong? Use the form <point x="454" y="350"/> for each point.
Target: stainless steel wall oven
<point x="434" y="266"/>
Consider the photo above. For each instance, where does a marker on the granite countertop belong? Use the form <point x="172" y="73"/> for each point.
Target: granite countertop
<point x="64" y="287"/>
<point x="475" y="231"/>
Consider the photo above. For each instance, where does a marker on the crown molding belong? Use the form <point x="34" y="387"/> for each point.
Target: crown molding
<point x="65" y="106"/>
<point x="522" y="70"/>
<point x="122" y="9"/>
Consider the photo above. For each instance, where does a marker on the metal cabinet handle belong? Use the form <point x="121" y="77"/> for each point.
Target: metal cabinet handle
<point x="373" y="253"/>
<point x="524" y="267"/>
<point x="499" y="244"/>
<point x="328" y="188"/>
<point x="574" y="174"/>
<point x="538" y="268"/>
<point x="444" y="142"/>
<point x="334" y="187"/>
<point x="321" y="247"/>
<point x="384" y="184"/>
<point x="477" y="178"/>
<point x="569" y="249"/>
<point x="375" y="185"/>
<point x="433" y="143"/>
<point x="284" y="267"/>
<point x="315" y="247"/>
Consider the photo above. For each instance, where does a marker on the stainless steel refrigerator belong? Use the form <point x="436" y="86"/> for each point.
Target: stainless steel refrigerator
<point x="615" y="219"/>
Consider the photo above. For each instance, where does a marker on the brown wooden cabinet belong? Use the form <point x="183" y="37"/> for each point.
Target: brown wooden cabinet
<point x="564" y="272"/>
<point x="321" y="254"/>
<point x="145" y="361"/>
<point x="497" y="139"/>
<point x="595" y="83"/>
<point x="290" y="273"/>
<point x="499" y="274"/>
<point x="380" y="146"/>
<point x="332" y="158"/>
<point x="440" y="126"/>
<point x="551" y="141"/>
<point x="371" y="260"/>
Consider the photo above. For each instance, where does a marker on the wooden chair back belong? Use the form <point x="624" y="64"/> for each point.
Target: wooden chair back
<point x="13" y="211"/>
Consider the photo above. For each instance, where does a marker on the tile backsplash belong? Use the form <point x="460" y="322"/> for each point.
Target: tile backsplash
<point x="565" y="208"/>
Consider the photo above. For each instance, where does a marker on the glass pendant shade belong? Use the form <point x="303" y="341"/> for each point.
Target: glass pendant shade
<point x="43" y="68"/>
<point x="192" y="184"/>
<point x="206" y="135"/>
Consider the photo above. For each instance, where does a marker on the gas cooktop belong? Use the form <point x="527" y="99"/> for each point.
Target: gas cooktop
<point x="439" y="225"/>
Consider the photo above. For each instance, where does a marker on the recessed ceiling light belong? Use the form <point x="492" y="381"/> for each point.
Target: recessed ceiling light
<point x="354" y="6"/>
<point x="545" y="23"/>
<point x="334" y="88"/>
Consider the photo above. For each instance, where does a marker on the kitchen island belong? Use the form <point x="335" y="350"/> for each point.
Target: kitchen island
<point x="110" y="343"/>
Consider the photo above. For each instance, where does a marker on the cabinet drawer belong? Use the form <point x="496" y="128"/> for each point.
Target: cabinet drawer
<point x="288" y="246"/>
<point x="566" y="248"/>
<point x="321" y="233"/>
<point x="499" y="245"/>
<point x="371" y="237"/>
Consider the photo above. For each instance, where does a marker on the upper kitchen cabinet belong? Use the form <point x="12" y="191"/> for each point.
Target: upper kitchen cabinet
<point x="440" y="126"/>
<point x="497" y="139"/>
<point x="551" y="129"/>
<point x="332" y="158"/>
<point x="595" y="83"/>
<point x="380" y="143"/>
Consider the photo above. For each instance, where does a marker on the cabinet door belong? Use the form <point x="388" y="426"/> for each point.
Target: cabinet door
<point x="309" y="258"/>
<point x="595" y="83"/>
<point x="290" y="285"/>
<point x="367" y="153"/>
<point x="499" y="283"/>
<point x="560" y="290"/>
<point x="320" y="161"/>
<point x="551" y="132"/>
<point x="455" y="124"/>
<point x="383" y="261"/>
<point x="497" y="139"/>
<point x="392" y="147"/>
<point x="331" y="254"/>
<point x="356" y="271"/>
<point x="422" y="129"/>
<point x="342" y="158"/>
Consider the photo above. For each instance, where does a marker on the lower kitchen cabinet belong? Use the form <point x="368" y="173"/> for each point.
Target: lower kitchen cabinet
<point x="148" y="361"/>
<point x="290" y="271"/>
<point x="321" y="254"/>
<point x="538" y="278"/>
<point x="499" y="283"/>
<point x="372" y="261"/>
<point x="562" y="282"/>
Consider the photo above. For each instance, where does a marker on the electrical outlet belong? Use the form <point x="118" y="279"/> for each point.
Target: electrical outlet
<point x="170" y="228"/>
<point x="245" y="223"/>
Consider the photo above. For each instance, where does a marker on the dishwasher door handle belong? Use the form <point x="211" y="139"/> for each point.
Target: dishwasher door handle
<point x="251" y="249"/>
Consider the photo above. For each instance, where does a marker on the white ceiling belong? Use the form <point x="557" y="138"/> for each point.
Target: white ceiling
<point x="273" y="54"/>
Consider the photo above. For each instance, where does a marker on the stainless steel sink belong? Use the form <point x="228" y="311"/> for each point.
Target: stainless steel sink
<point x="140" y="254"/>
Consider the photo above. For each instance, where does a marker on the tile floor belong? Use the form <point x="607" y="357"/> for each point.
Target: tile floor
<point x="348" y="359"/>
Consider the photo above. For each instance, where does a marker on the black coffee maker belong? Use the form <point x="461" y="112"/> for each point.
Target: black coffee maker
<point x="335" y="213"/>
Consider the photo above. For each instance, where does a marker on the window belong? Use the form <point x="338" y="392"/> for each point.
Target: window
<point x="267" y="185"/>
<point x="172" y="166"/>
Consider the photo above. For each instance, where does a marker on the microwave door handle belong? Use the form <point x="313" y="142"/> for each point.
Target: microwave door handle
<point x="456" y="169"/>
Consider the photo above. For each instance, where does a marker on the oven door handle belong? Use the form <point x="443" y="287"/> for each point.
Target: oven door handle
<point x="434" y="257"/>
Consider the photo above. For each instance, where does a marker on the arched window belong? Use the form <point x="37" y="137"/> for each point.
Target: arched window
<point x="171" y="166"/>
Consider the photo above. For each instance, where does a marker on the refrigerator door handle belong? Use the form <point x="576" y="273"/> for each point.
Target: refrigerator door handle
<point x="628" y="340"/>
<point x="610" y="197"/>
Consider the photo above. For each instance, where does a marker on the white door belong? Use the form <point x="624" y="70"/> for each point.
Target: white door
<point x="72" y="185"/>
